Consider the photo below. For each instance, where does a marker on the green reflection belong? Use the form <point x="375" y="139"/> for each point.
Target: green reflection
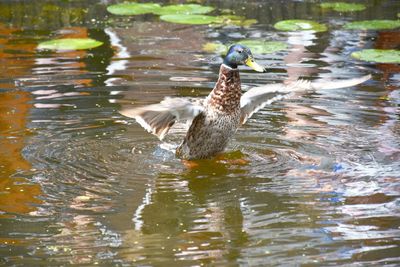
<point x="343" y="7"/>
<point x="373" y="25"/>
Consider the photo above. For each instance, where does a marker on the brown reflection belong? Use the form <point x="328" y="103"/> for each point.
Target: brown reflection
<point x="16" y="193"/>
<point x="12" y="66"/>
<point x="369" y="199"/>
<point x="194" y="217"/>
<point x="388" y="40"/>
<point x="388" y="143"/>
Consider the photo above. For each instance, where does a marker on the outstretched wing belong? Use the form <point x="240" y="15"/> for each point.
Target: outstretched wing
<point x="258" y="97"/>
<point x="159" y="118"/>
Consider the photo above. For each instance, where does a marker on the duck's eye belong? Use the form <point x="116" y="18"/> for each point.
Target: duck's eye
<point x="240" y="51"/>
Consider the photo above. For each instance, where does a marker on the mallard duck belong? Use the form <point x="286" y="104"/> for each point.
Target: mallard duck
<point x="215" y="119"/>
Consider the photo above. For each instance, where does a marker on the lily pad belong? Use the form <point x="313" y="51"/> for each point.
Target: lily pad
<point x="343" y="7"/>
<point x="190" y="19"/>
<point x="373" y="25"/>
<point x="300" y="25"/>
<point x="185" y="9"/>
<point x="153" y="8"/>
<point x="198" y="19"/>
<point x="378" y="55"/>
<point x="256" y="46"/>
<point x="129" y="9"/>
<point x="70" y="44"/>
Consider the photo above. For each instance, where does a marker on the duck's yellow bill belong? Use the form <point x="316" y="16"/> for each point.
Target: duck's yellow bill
<point x="254" y="65"/>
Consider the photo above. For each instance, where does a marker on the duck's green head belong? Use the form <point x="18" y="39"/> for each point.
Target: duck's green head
<point x="241" y="55"/>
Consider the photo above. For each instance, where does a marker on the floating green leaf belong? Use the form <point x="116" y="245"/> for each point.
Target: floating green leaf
<point x="256" y="46"/>
<point x="378" y="55"/>
<point x="186" y="9"/>
<point x="190" y="19"/>
<point x="343" y="7"/>
<point x="70" y="44"/>
<point x="153" y="8"/>
<point x="372" y="25"/>
<point x="300" y="25"/>
<point x="206" y="19"/>
<point x="134" y="8"/>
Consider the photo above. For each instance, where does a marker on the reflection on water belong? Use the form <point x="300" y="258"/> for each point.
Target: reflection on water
<point x="17" y="193"/>
<point x="310" y="180"/>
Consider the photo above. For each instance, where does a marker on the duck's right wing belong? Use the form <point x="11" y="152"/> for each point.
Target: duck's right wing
<point x="258" y="97"/>
<point x="159" y="118"/>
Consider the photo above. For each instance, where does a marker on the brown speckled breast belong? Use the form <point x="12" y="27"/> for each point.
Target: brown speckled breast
<point x="227" y="91"/>
<point x="211" y="130"/>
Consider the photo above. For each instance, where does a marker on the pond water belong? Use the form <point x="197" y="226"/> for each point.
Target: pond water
<point x="311" y="180"/>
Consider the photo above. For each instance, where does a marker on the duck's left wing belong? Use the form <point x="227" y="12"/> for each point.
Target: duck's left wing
<point x="159" y="118"/>
<point x="258" y="97"/>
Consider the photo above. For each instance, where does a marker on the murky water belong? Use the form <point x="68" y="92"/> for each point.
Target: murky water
<point x="312" y="180"/>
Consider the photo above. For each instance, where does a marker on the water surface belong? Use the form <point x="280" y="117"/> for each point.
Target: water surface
<point x="312" y="180"/>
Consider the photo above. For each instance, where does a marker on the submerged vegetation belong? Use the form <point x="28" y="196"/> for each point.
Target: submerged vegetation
<point x="181" y="14"/>
<point x="378" y="55"/>
<point x="300" y="25"/>
<point x="257" y="46"/>
<point x="343" y="7"/>
<point x="189" y="19"/>
<point x="373" y="25"/>
<point x="206" y="19"/>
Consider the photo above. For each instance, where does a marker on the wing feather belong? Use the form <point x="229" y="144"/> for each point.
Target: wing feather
<point x="159" y="118"/>
<point x="258" y="97"/>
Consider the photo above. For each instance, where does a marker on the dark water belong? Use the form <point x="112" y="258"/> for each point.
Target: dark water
<point x="309" y="181"/>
